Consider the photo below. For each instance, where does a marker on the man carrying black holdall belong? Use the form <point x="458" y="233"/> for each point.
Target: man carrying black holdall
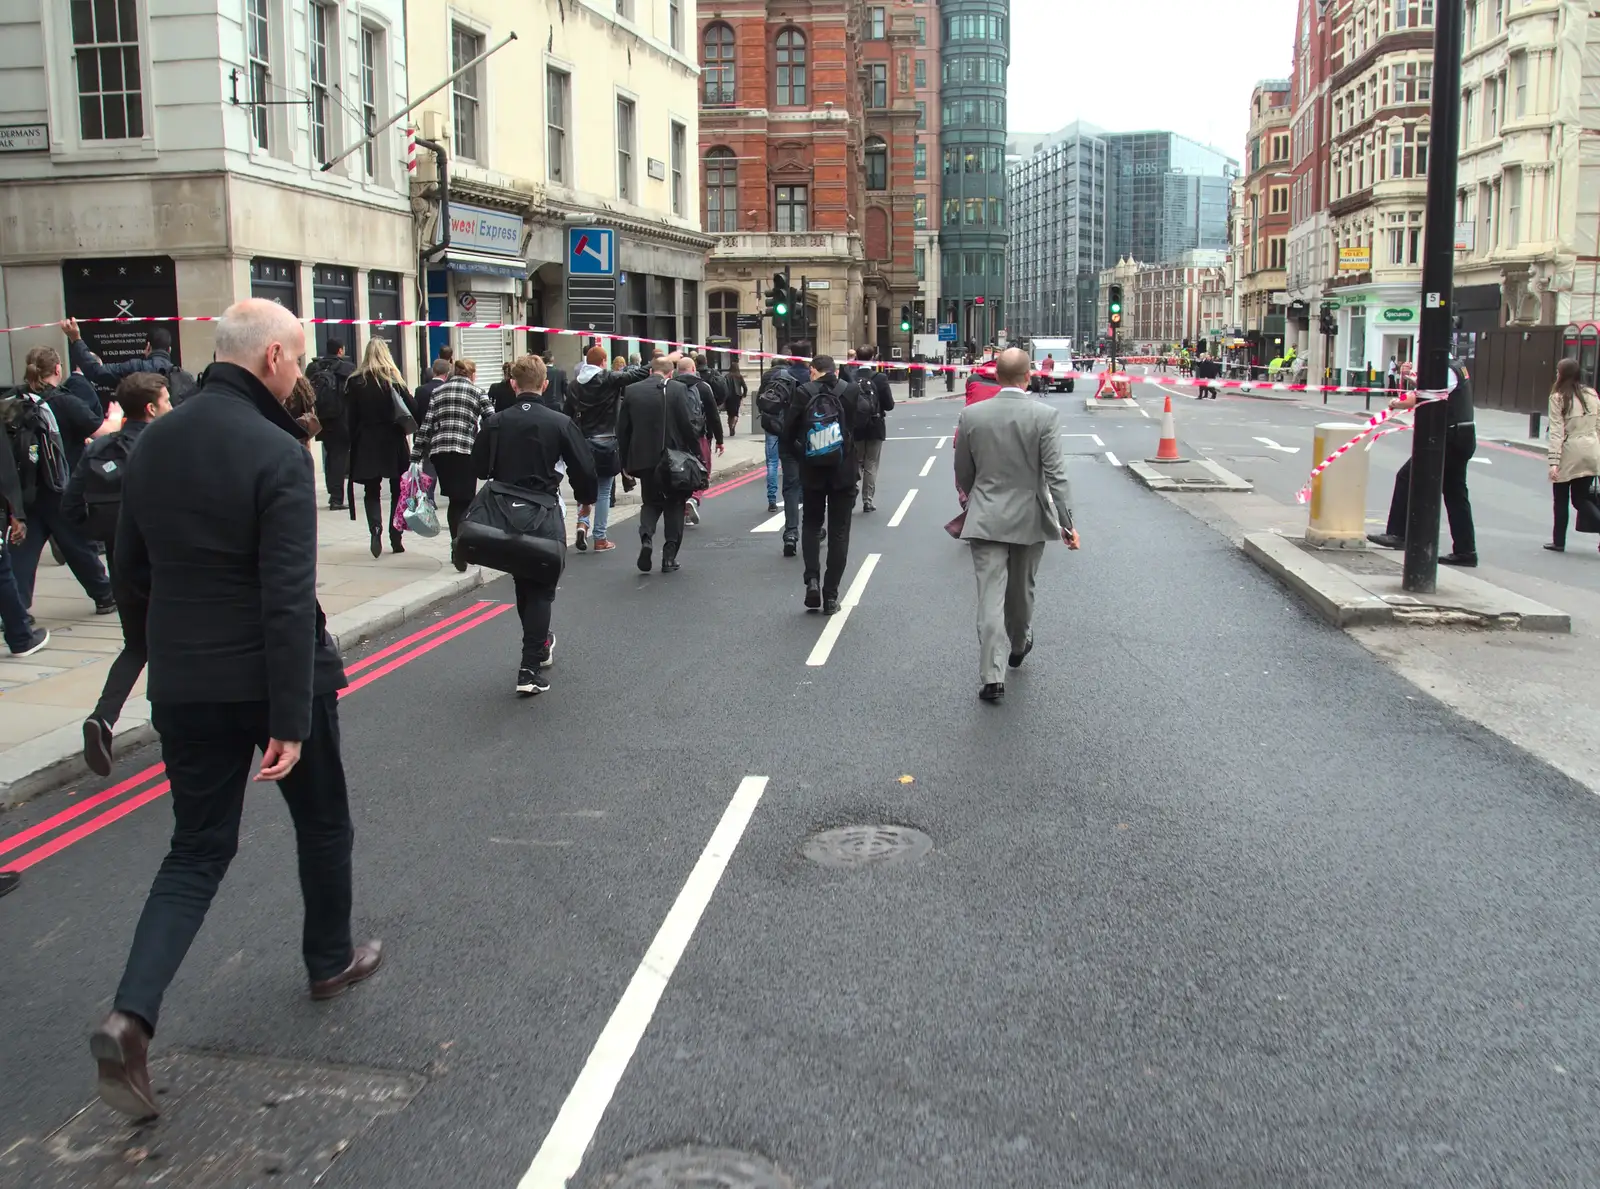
<point x="515" y="522"/>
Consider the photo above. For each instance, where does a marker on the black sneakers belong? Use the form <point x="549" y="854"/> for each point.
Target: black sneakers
<point x="97" y="736"/>
<point x="531" y="682"/>
<point x="645" y="558"/>
<point x="830" y="604"/>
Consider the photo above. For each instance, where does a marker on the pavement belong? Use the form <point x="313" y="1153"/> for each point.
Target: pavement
<point x="44" y="698"/>
<point x="1216" y="897"/>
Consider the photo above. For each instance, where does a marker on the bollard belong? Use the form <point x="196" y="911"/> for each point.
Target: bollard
<point x="1339" y="494"/>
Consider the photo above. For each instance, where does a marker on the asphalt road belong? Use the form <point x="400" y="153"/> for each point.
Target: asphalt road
<point x="1213" y="899"/>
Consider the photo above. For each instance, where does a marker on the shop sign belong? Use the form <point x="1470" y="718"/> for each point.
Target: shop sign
<point x="1355" y="259"/>
<point x="483" y="230"/>
<point x="1399" y="314"/>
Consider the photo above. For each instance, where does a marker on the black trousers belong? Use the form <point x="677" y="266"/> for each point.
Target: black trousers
<point x="659" y="505"/>
<point x="129" y="663"/>
<point x="1460" y="444"/>
<point x="209" y="750"/>
<point x="837" y="507"/>
<point x="46" y="523"/>
<point x="534" y="603"/>
<point x="457" y="484"/>
<point x="372" y="500"/>
<point x="335" y="466"/>
<point x="1580" y="493"/>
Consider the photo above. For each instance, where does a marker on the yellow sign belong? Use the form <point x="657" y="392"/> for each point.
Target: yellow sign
<point x="1355" y="259"/>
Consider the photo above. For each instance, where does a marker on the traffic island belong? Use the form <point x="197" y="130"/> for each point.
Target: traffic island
<point x="1110" y="404"/>
<point x="1196" y="474"/>
<point x="1358" y="588"/>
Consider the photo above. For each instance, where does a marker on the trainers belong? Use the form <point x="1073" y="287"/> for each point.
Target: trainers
<point x="789" y="549"/>
<point x="97" y="745"/>
<point x="601" y="545"/>
<point x="105" y="606"/>
<point x="813" y="594"/>
<point x="40" y="637"/>
<point x="830" y="604"/>
<point x="691" y="513"/>
<point x="531" y="682"/>
<point x="772" y="507"/>
<point x="547" y="658"/>
<point x="583" y="537"/>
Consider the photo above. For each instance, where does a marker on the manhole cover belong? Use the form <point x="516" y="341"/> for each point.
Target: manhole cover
<point x="865" y="846"/>
<point x="699" y="1168"/>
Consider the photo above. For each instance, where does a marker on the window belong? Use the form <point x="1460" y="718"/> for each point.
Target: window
<point x="105" y="41"/>
<point x="877" y="164"/>
<point x="558" y="120"/>
<point x="922" y="114"/>
<point x="974" y="210"/>
<point x="919" y="260"/>
<point x="1491" y="110"/>
<point x="466" y="92"/>
<point x="1279" y="200"/>
<point x="722" y="308"/>
<point x="878" y="85"/>
<point x="919" y="156"/>
<point x="1468" y="106"/>
<point x="679" y="150"/>
<point x="1497" y="20"/>
<point x="878" y="31"/>
<point x="722" y="191"/>
<point x="372" y="45"/>
<point x="791" y="208"/>
<point x="719" y="65"/>
<point x="1280" y="146"/>
<point x="675" y="23"/>
<point x="919" y="212"/>
<point x="625" y="122"/>
<point x="791" y="69"/>
<point x="921" y="72"/>
<point x="922" y="30"/>
<point x="1513" y="193"/>
<point x="996" y="218"/>
<point x="625" y="9"/>
<point x="324" y="32"/>
<point x="952" y="212"/>
<point x="259" y="53"/>
<point x="1397" y="240"/>
<point x="1519" y="86"/>
<point x="1277" y="252"/>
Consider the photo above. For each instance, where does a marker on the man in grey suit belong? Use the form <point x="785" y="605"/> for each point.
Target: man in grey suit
<point x="1008" y="461"/>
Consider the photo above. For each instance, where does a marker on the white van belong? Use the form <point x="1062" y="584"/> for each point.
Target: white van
<point x="1060" y="352"/>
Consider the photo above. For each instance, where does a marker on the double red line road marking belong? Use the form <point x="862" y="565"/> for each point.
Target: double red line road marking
<point x="391" y="658"/>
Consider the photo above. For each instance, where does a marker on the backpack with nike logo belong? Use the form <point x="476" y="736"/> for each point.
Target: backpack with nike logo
<point x="826" y="427"/>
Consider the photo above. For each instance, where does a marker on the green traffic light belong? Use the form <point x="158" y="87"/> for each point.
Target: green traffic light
<point x="781" y="309"/>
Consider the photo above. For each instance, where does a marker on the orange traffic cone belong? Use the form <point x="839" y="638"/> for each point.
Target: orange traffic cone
<point x="1168" y="450"/>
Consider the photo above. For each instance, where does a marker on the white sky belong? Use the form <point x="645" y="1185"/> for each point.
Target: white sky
<point x="1129" y="65"/>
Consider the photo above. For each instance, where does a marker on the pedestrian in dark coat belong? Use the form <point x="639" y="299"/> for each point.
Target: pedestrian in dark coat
<point x="657" y="414"/>
<point x="216" y="546"/>
<point x="379" y="451"/>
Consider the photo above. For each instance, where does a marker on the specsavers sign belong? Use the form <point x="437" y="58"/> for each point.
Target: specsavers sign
<point x="1398" y="314"/>
<point x="478" y="229"/>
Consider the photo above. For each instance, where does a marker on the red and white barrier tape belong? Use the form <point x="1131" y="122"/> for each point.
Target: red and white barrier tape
<point x="1376" y="420"/>
<point x="445" y="324"/>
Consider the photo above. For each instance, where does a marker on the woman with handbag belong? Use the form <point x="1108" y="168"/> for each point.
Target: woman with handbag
<point x="378" y="415"/>
<point x="446" y="437"/>
<point x="1574" y="452"/>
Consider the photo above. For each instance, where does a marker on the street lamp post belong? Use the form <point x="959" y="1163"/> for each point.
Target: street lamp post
<point x="1438" y="275"/>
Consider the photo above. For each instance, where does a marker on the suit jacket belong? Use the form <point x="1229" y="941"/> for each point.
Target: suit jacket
<point x="217" y="553"/>
<point x="647" y="424"/>
<point x="1009" y="461"/>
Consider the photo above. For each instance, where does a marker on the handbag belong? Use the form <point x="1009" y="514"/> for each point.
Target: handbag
<point x="1589" y="510"/>
<point x="678" y="472"/>
<point x="404" y="420"/>
<point x="417" y="512"/>
<point x="514" y="530"/>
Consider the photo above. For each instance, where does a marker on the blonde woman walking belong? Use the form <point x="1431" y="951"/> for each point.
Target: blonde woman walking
<point x="1574" y="452"/>
<point x="378" y="451"/>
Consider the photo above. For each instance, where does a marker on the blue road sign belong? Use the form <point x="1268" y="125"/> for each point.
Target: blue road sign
<point x="947" y="332"/>
<point x="591" y="252"/>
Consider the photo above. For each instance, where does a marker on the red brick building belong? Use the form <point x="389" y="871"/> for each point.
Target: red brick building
<point x="806" y="128"/>
<point x="1310" y="140"/>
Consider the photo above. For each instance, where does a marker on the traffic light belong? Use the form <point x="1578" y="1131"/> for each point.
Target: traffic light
<point x="905" y="319"/>
<point x="800" y="311"/>
<point x="778" y="298"/>
<point x="1325" y="321"/>
<point x="1116" y="306"/>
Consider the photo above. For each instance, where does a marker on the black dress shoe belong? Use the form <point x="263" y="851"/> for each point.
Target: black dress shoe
<point x="789" y="549"/>
<point x="1016" y="658"/>
<point x="121" y="1048"/>
<point x="1387" y="540"/>
<point x="646" y="558"/>
<point x="9" y="881"/>
<point x="669" y="559"/>
<point x="993" y="692"/>
<point x="1554" y="548"/>
<point x="363" y="965"/>
<point x="830" y="604"/>
<point x="1465" y="560"/>
<point x="396" y="545"/>
<point x="813" y="594"/>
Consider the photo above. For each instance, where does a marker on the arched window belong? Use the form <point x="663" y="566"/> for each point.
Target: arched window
<point x="791" y="69"/>
<point x="718" y="65"/>
<point x="722" y="190"/>
<point x="877" y="164"/>
<point x="877" y="233"/>
<point x="723" y="307"/>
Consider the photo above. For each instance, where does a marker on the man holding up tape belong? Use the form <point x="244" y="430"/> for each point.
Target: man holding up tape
<point x="1460" y="443"/>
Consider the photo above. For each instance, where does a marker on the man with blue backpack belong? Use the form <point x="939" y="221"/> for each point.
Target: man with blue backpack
<point x="820" y="430"/>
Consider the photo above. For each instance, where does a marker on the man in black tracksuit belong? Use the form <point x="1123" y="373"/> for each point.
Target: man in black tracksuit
<point x="520" y="446"/>
<point x="828" y="474"/>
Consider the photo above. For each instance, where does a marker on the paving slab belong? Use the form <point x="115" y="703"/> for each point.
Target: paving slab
<point x="1095" y="404"/>
<point x="1190" y="474"/>
<point x="1360" y="588"/>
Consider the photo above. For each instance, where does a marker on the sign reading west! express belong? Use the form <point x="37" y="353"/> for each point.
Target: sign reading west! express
<point x="479" y="229"/>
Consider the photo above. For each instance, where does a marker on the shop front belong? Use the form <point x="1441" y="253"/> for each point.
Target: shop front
<point x="1376" y="326"/>
<point x="480" y="277"/>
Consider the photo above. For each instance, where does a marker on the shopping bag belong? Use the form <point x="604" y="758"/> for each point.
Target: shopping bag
<point x="417" y="512"/>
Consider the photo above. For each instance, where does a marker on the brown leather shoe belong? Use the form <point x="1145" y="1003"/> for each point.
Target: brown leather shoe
<point x="121" y="1047"/>
<point x="363" y="965"/>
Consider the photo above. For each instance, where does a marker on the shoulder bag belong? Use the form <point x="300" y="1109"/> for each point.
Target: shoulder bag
<point x="678" y="472"/>
<point x="404" y="420"/>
